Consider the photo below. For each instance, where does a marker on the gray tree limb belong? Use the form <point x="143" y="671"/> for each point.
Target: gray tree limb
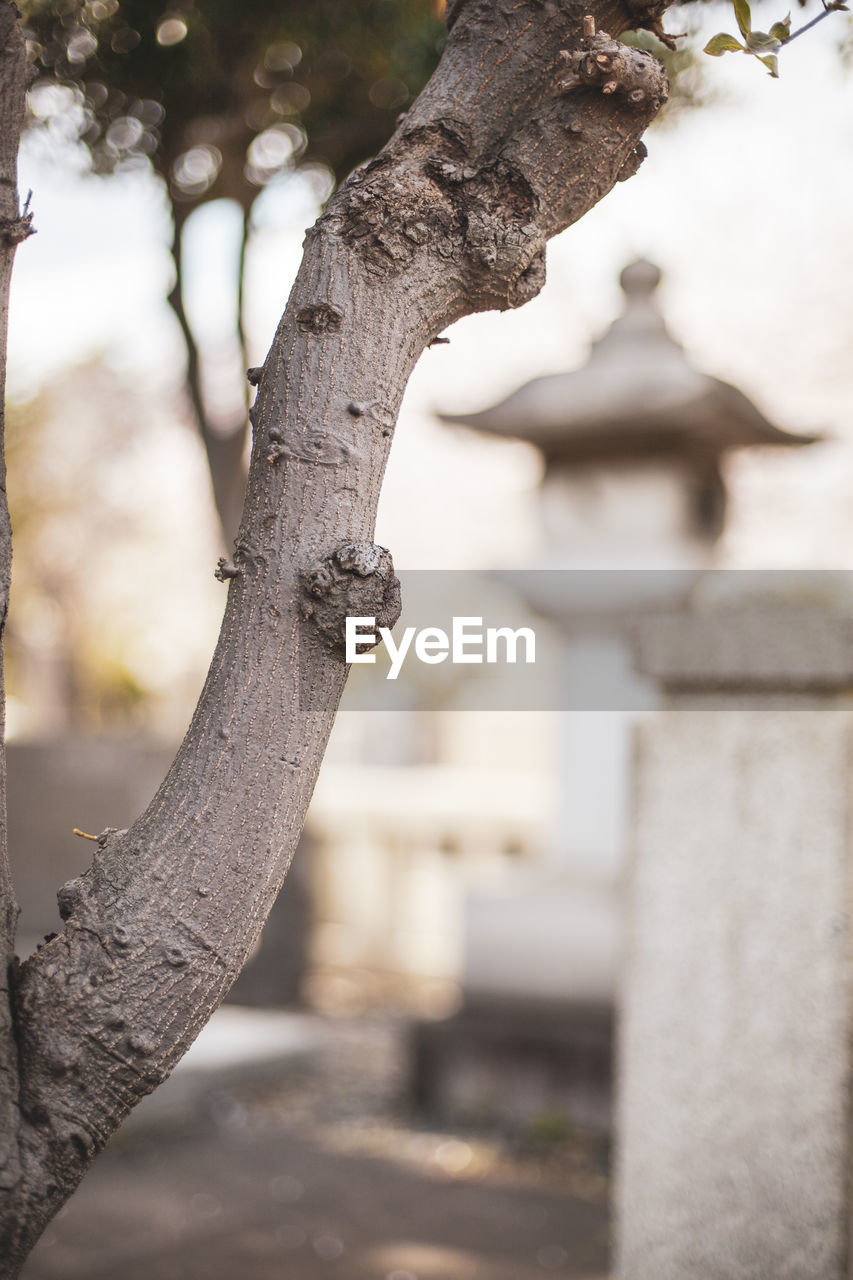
<point x="508" y="144"/>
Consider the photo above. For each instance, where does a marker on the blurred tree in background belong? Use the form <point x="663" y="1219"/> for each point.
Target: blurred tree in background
<point x="219" y="99"/>
<point x="107" y="481"/>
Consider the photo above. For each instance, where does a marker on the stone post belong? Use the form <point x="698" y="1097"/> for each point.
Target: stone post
<point x="734" y="1142"/>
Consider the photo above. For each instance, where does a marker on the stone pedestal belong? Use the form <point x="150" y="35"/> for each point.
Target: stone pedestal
<point x="734" y="1063"/>
<point x="535" y="1067"/>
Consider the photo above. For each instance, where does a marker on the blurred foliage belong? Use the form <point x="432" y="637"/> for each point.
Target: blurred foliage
<point x="104" y="629"/>
<point x="548" y="1129"/>
<point x="220" y="96"/>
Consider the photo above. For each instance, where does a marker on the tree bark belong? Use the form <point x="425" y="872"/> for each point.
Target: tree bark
<point x="508" y="144"/>
<point x="224" y="450"/>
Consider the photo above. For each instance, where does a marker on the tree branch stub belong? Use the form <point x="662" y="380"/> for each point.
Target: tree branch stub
<point x="616" y="68"/>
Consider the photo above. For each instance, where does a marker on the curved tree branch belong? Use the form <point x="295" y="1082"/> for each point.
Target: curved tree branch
<point x="509" y="143"/>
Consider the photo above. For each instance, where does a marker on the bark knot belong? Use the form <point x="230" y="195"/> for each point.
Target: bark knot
<point x="320" y="318"/>
<point x="70" y="897"/>
<point x="356" y="580"/>
<point x="614" y="67"/>
<point x="495" y="209"/>
<point x="312" y="444"/>
<point x="426" y="194"/>
<point x="226" y="569"/>
<point x="14" y="230"/>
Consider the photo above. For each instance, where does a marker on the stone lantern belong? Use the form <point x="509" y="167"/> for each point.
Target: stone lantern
<point x="633" y="444"/>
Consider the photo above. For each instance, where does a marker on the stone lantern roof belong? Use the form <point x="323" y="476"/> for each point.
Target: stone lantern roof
<point x="638" y="397"/>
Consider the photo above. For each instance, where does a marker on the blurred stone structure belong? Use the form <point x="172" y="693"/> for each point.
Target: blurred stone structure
<point x="735" y="1065"/>
<point x="634" y="445"/>
<point x="398" y="849"/>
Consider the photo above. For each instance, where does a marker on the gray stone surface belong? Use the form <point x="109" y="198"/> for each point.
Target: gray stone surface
<point x="779" y="649"/>
<point x="734" y="1150"/>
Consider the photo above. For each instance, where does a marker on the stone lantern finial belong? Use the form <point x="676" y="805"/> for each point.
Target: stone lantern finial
<point x="640" y="279"/>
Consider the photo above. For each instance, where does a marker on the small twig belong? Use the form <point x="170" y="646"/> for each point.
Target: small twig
<point x="828" y="9"/>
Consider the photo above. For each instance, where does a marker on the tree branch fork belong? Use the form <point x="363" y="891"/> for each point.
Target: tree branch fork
<point x="502" y="150"/>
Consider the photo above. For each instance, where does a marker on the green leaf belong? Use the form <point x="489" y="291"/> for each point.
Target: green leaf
<point x="718" y="45"/>
<point x="772" y="64"/>
<point x="761" y="42"/>
<point x="744" y="17"/>
<point x="781" y="30"/>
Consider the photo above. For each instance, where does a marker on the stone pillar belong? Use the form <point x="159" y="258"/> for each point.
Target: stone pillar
<point x="734" y="1138"/>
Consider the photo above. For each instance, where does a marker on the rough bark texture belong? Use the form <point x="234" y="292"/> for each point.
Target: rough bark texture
<point x="508" y="144"/>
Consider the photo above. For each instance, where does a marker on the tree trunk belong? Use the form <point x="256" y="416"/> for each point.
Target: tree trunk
<point x="224" y="450"/>
<point x="508" y="144"/>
